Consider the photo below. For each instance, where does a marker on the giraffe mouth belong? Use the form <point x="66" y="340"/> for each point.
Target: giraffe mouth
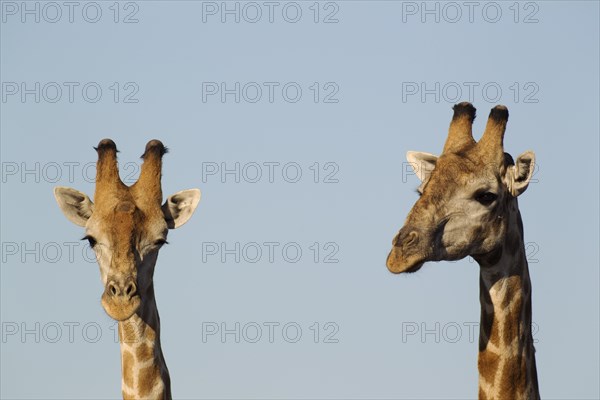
<point x="415" y="268"/>
<point x="397" y="263"/>
<point x="121" y="309"/>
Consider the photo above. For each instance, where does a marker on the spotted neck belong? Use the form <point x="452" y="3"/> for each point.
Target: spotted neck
<point x="506" y="362"/>
<point x="144" y="371"/>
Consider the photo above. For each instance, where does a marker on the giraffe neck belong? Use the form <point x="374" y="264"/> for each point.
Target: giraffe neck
<point x="506" y="362"/>
<point x="144" y="371"/>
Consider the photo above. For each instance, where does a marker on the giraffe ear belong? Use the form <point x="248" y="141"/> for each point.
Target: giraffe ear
<point x="76" y="206"/>
<point x="422" y="163"/>
<point x="519" y="175"/>
<point x="178" y="208"/>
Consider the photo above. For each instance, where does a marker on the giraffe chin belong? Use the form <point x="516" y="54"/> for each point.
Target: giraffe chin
<point x="121" y="309"/>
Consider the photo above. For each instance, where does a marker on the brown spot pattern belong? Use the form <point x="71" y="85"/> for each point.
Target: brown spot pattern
<point x="147" y="379"/>
<point x="127" y="367"/>
<point x="488" y="365"/>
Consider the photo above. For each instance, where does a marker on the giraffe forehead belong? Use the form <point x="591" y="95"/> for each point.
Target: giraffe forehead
<point x="138" y="221"/>
<point x="126" y="201"/>
<point x="463" y="170"/>
<point x="124" y="222"/>
<point x="459" y="163"/>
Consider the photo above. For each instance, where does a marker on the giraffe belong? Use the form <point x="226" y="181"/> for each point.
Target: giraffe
<point x="468" y="207"/>
<point x="126" y="227"/>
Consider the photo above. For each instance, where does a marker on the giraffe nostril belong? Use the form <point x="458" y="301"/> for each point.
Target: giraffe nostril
<point x="130" y="289"/>
<point x="113" y="289"/>
<point x="412" y="238"/>
<point x="125" y="290"/>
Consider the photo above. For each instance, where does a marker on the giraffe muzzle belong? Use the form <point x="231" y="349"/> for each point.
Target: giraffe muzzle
<point x="405" y="255"/>
<point x="120" y="298"/>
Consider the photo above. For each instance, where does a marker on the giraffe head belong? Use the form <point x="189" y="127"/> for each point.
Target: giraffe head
<point x="127" y="225"/>
<point x="466" y="195"/>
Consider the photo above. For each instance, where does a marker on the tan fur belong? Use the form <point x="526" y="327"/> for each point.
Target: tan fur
<point x="468" y="206"/>
<point x="127" y="366"/>
<point x="125" y="215"/>
<point x="128" y="226"/>
<point x="142" y="363"/>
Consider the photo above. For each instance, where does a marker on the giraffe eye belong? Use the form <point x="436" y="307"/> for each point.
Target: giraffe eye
<point x="91" y="240"/>
<point x="160" y="242"/>
<point x="486" y="198"/>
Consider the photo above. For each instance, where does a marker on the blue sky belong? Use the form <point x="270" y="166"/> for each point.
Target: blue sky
<point x="296" y="132"/>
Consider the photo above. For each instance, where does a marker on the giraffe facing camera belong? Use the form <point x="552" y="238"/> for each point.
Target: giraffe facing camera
<point x="126" y="226"/>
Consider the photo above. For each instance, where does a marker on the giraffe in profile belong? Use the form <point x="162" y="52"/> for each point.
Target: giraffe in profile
<point x="468" y="207"/>
<point x="126" y="227"/>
